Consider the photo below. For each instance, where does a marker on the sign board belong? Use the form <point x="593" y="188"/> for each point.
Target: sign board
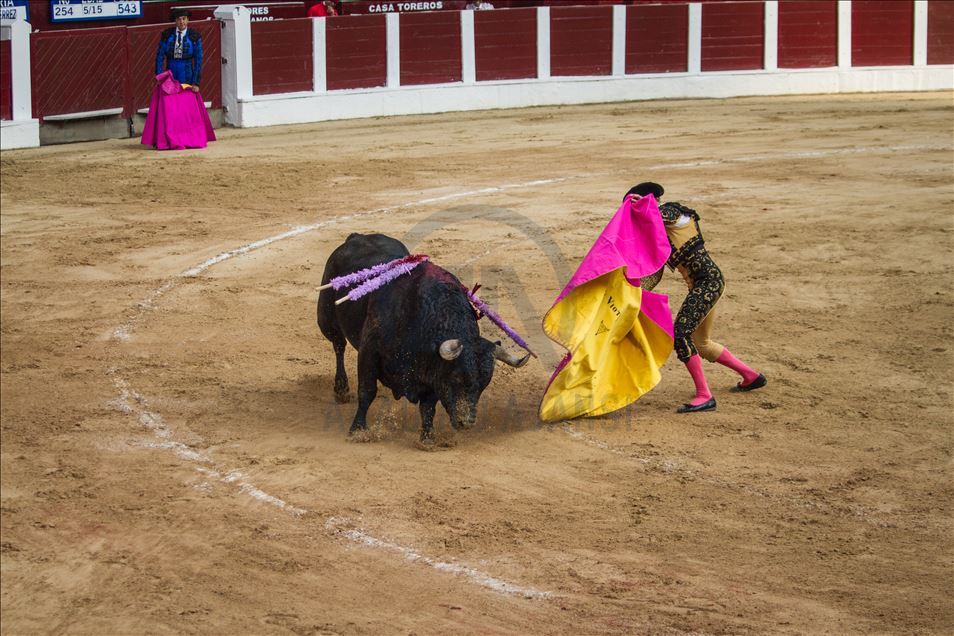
<point x="77" y="10"/>
<point x="401" y="6"/>
<point x="15" y="10"/>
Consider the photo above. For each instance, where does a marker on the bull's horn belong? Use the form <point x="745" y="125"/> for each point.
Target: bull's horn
<point x="505" y="356"/>
<point x="451" y="349"/>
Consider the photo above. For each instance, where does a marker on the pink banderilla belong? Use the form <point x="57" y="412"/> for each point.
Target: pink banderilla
<point x="362" y="275"/>
<point x="485" y="309"/>
<point x="372" y="282"/>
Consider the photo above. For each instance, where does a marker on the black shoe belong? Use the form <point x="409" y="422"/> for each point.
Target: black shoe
<point x="757" y="383"/>
<point x="708" y="405"/>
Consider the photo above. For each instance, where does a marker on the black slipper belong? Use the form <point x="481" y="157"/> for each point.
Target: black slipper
<point x="757" y="383"/>
<point x="708" y="405"/>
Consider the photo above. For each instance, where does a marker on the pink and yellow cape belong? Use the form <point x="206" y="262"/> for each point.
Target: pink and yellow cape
<point x="618" y="335"/>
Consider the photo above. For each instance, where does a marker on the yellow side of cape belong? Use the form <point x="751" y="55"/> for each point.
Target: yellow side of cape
<point x="616" y="350"/>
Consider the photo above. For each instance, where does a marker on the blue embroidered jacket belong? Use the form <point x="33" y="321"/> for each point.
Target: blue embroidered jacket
<point x="188" y="68"/>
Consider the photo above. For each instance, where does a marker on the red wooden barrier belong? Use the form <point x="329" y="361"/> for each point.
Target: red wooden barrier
<point x="430" y="48"/>
<point x="882" y="33"/>
<point x="581" y="40"/>
<point x="282" y="60"/>
<point x="143" y="42"/>
<point x="657" y="38"/>
<point x="807" y="34"/>
<point x="356" y="51"/>
<point x="78" y="71"/>
<point x="97" y="69"/>
<point x="505" y="44"/>
<point x="732" y="36"/>
<point x="940" y="44"/>
<point x="6" y="82"/>
<point x="212" y="65"/>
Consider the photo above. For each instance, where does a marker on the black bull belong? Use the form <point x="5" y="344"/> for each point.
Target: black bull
<point x="417" y="335"/>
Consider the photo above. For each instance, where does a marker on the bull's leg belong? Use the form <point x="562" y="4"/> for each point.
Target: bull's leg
<point x="367" y="388"/>
<point x="428" y="406"/>
<point x="328" y="323"/>
<point x="342" y="391"/>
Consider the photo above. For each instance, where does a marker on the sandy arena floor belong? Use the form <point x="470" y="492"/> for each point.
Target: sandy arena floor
<point x="173" y="460"/>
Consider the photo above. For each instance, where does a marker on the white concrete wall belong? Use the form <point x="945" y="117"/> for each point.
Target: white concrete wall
<point x="393" y="99"/>
<point x="299" y="108"/>
<point x="22" y="131"/>
<point x="236" y="60"/>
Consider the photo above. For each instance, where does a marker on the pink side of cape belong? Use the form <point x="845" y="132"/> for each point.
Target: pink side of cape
<point x="177" y="118"/>
<point x="656" y="308"/>
<point x="634" y="238"/>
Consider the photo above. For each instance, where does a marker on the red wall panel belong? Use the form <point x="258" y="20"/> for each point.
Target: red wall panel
<point x="581" y="40"/>
<point x="143" y="42"/>
<point x="732" y="36"/>
<point x="882" y="33"/>
<point x="505" y="44"/>
<point x="657" y="38"/>
<point x="6" y="82"/>
<point x="356" y="50"/>
<point x="430" y="48"/>
<point x="282" y="56"/>
<point x="807" y="34"/>
<point x="940" y="45"/>
<point x="78" y="71"/>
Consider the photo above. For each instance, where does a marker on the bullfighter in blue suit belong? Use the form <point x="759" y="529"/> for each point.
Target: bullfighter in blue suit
<point x="181" y="48"/>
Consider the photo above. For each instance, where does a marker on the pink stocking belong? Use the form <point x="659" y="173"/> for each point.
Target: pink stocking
<point x="729" y="360"/>
<point x="694" y="364"/>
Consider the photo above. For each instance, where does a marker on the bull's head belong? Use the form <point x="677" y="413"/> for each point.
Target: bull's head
<point x="468" y="369"/>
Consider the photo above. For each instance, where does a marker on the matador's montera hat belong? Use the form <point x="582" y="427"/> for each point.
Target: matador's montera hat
<point x="647" y="187"/>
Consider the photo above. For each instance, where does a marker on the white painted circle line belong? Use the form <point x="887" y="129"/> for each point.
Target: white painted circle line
<point x="245" y="249"/>
<point x="124" y="331"/>
<point x="132" y="403"/>
<point x="339" y="527"/>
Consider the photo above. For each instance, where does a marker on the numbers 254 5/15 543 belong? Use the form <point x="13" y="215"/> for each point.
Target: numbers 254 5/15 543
<point x="96" y="9"/>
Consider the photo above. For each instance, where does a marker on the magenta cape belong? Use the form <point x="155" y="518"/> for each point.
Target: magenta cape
<point x="177" y="117"/>
<point x="618" y="335"/>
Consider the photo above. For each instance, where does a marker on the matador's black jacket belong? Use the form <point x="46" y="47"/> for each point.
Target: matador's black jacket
<point x="702" y="275"/>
